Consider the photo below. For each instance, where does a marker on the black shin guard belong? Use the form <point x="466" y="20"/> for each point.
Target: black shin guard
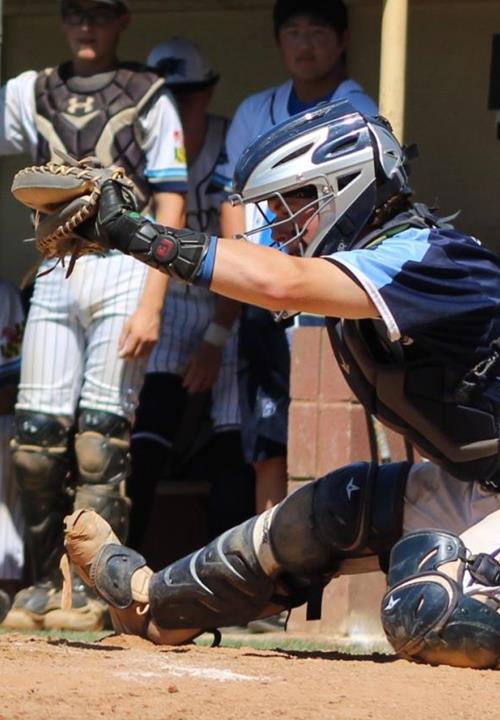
<point x="221" y="584"/>
<point x="39" y="455"/>
<point x="352" y="512"/>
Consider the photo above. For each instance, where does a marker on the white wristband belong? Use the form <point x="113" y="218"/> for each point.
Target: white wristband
<point x="216" y="334"/>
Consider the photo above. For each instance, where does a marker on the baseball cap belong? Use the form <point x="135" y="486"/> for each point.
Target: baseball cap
<point x="333" y="12"/>
<point x="182" y="63"/>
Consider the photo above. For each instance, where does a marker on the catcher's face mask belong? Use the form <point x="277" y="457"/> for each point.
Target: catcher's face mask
<point x="292" y="218"/>
<point x="347" y="164"/>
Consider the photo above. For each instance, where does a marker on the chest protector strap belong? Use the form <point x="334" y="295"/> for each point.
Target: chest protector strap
<point x="413" y="398"/>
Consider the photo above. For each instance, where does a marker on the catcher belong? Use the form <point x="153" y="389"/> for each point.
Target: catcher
<point x="412" y="308"/>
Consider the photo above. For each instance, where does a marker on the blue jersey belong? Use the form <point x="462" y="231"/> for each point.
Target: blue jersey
<point x="437" y="285"/>
<point x="429" y="368"/>
<point x="435" y="289"/>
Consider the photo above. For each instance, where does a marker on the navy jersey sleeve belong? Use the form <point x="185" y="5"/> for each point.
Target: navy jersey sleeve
<point x="426" y="280"/>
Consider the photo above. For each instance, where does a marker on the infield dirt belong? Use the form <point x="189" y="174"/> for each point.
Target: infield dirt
<point x="130" y="679"/>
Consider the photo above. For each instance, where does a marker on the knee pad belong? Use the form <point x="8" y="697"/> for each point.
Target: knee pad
<point x="39" y="451"/>
<point x="354" y="511"/>
<point x="102" y="455"/>
<point x="426" y="615"/>
<point x="102" y="447"/>
<point x="221" y="584"/>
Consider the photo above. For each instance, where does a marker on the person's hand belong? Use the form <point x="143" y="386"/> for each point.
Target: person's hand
<point x="202" y="368"/>
<point x="140" y="333"/>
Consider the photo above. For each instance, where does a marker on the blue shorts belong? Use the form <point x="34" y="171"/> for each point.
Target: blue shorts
<point x="263" y="384"/>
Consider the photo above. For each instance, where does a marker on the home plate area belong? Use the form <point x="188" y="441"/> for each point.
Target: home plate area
<point x="130" y="679"/>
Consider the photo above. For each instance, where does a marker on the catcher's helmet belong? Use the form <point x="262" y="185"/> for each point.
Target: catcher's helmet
<point x="352" y="163"/>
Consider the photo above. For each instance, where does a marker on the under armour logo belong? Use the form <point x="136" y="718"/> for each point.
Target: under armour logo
<point x="77" y="106"/>
<point x="351" y="487"/>
<point x="345" y="366"/>
<point x="391" y="603"/>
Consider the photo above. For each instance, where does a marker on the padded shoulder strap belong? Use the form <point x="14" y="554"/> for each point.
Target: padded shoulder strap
<point x="418" y="216"/>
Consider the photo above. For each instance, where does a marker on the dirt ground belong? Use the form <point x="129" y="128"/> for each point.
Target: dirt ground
<point x="130" y="679"/>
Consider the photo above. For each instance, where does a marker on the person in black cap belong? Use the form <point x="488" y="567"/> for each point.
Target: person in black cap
<point x="82" y="363"/>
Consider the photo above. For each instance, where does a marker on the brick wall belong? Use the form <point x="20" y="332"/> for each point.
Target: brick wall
<point x="328" y="429"/>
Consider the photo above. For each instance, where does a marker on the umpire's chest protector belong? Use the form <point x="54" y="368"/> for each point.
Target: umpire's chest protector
<point x="417" y="397"/>
<point x="95" y="116"/>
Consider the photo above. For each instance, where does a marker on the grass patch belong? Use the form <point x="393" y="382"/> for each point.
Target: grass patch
<point x="264" y="641"/>
<point x="84" y="637"/>
<point x="307" y="643"/>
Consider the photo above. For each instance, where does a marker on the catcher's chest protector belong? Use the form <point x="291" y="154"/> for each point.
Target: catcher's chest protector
<point x="95" y="116"/>
<point x="416" y="395"/>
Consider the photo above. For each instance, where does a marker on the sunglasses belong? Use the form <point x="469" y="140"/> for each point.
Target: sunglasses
<point x="74" y="16"/>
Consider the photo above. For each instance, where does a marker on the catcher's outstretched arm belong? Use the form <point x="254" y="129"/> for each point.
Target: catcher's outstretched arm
<point x="87" y="208"/>
<point x="238" y="270"/>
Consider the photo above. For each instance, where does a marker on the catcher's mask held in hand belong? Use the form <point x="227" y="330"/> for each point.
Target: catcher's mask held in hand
<point x="65" y="195"/>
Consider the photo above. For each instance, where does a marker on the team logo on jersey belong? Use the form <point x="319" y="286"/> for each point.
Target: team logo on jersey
<point x="267" y="407"/>
<point x="180" y="154"/>
<point x="79" y="106"/>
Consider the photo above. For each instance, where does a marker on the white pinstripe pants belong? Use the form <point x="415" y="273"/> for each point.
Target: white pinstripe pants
<point x="70" y="348"/>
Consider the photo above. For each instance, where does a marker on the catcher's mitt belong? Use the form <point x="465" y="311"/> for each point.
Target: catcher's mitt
<point x="65" y="195"/>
